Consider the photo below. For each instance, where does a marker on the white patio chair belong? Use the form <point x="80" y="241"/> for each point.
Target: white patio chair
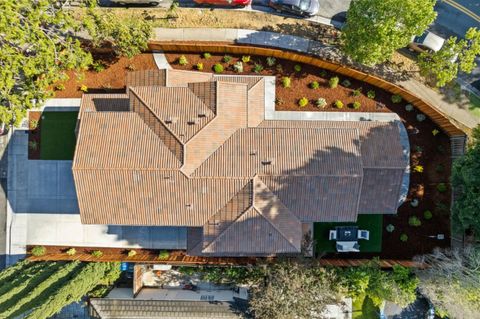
<point x="363" y="234"/>
<point x="333" y="235"/>
<point x="348" y="247"/>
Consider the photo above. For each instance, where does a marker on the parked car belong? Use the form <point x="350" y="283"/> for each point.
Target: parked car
<point x="225" y="3"/>
<point x="304" y="8"/>
<point x="127" y="2"/>
<point x="428" y="41"/>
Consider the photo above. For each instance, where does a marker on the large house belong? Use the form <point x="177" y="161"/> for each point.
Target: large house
<point x="193" y="149"/>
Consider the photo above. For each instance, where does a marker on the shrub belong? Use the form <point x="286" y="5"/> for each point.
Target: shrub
<point x="441" y="187"/>
<point x="38" y="251"/>
<point x="132" y="253"/>
<point x="371" y="94"/>
<point x="33" y="145"/>
<point x="321" y="102"/>
<point x="238" y="67"/>
<point x="227" y="58"/>
<point x="258" y="68"/>
<point x="357" y="92"/>
<point x="390" y="228"/>
<point x="33" y="124"/>
<point x="207" y="55"/>
<point x="314" y="85"/>
<point x="396" y="98"/>
<point x="333" y="82"/>
<point x="60" y="87"/>
<point x="303" y="102"/>
<point x="414" y="202"/>
<point x="421" y="117"/>
<point x="84" y="88"/>
<point x="346" y="83"/>
<point x="279" y="68"/>
<point x="414" y="221"/>
<point x="245" y="58"/>
<point x="279" y="101"/>
<point x="286" y="82"/>
<point x="356" y="105"/>
<point x="131" y="67"/>
<point x="323" y="73"/>
<point x="199" y="66"/>
<point x="427" y="215"/>
<point x="71" y="252"/>
<point x="96" y="253"/>
<point x="435" y="132"/>
<point x="163" y="255"/>
<point x="271" y="61"/>
<point x="418" y="168"/>
<point x="98" y="67"/>
<point x="409" y="107"/>
<point x="182" y="60"/>
<point x="297" y="68"/>
<point x="338" y="104"/>
<point x="218" y="68"/>
<point x="404" y="238"/>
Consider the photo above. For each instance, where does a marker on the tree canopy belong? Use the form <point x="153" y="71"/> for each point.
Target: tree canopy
<point x="443" y="66"/>
<point x="466" y="179"/>
<point x="376" y="28"/>
<point x="39" y="41"/>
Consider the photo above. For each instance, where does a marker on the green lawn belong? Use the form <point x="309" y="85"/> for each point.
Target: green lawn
<point x="372" y="223"/>
<point x="57" y="135"/>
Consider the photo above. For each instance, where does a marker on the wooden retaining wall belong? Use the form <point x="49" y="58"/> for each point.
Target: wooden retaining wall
<point x="435" y="115"/>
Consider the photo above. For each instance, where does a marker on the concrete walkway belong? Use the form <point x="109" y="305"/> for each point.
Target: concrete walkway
<point x="458" y="112"/>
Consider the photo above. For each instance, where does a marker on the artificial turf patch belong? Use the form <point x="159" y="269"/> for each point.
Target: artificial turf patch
<point x="57" y="135"/>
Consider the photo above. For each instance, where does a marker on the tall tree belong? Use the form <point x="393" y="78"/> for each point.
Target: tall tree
<point x="466" y="179"/>
<point x="376" y="28"/>
<point x="451" y="281"/>
<point x="454" y="56"/>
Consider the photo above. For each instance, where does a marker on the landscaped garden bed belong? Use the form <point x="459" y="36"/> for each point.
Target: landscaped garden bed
<point x="51" y="135"/>
<point x="426" y="211"/>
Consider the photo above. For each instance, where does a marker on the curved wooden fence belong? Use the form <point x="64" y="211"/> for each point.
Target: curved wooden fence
<point x="435" y="115"/>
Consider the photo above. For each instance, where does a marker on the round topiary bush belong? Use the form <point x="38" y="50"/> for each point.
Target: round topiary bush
<point x="409" y="107"/>
<point x="286" y="82"/>
<point x="163" y="255"/>
<point x="390" y="228"/>
<point x="199" y="66"/>
<point x="38" y="251"/>
<point x="297" y="68"/>
<point x="338" y="104"/>
<point x="207" y="55"/>
<point x="414" y="221"/>
<point x="132" y="253"/>
<point x="396" y="98"/>
<point x="333" y="82"/>
<point x="218" y="68"/>
<point x="427" y="215"/>
<point x="182" y="60"/>
<point x="303" y="102"/>
<point x="97" y="253"/>
<point x="356" y="105"/>
<point x="421" y="117"/>
<point x="404" y="238"/>
<point x="321" y="102"/>
<point x="71" y="252"/>
<point x="314" y="85"/>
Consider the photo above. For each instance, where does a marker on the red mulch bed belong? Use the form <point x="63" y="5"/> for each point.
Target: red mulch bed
<point x="34" y="119"/>
<point x="111" y="79"/>
<point x="287" y="98"/>
<point x="431" y="152"/>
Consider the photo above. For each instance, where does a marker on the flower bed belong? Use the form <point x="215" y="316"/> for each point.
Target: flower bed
<point x="430" y="148"/>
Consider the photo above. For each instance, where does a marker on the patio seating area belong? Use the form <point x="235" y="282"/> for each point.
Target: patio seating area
<point x="363" y="236"/>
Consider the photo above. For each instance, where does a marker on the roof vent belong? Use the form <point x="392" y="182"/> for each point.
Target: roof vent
<point x="267" y="161"/>
<point x="202" y="114"/>
<point x="189" y="205"/>
<point x="192" y="122"/>
<point x="171" y="120"/>
<point x="253" y="152"/>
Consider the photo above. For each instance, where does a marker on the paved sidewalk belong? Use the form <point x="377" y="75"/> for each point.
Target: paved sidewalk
<point x="456" y="111"/>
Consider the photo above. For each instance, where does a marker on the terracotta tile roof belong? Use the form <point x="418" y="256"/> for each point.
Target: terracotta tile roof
<point x="245" y="184"/>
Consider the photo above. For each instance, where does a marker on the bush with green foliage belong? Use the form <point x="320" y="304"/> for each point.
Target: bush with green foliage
<point x="442" y="187"/>
<point x="271" y="61"/>
<point x="421" y="117"/>
<point x="314" y="85"/>
<point x="33" y="145"/>
<point x="404" y="238"/>
<point x="333" y="82"/>
<point x="60" y="87"/>
<point x="414" y="221"/>
<point x="356" y="105"/>
<point x="98" y="66"/>
<point x="321" y="102"/>
<point x="207" y="55"/>
<point x="346" y="83"/>
<point x="390" y="228"/>
<point x="303" y="102"/>
<point x="182" y="60"/>
<point x="84" y="88"/>
<point x="357" y="92"/>
<point x="286" y="81"/>
<point x="338" y="104"/>
<point x="227" y="58"/>
<point x="409" y="107"/>
<point x="323" y="73"/>
<point x="199" y="66"/>
<point x="297" y="68"/>
<point x="375" y="29"/>
<point x="132" y="253"/>
<point x="245" y="58"/>
<point x="257" y="68"/>
<point x="163" y="255"/>
<point x="97" y="253"/>
<point x="238" y="67"/>
<point x="427" y="215"/>
<point x="38" y="251"/>
<point x="371" y="94"/>
<point x="71" y="251"/>
<point x="396" y="98"/>
<point x="218" y="68"/>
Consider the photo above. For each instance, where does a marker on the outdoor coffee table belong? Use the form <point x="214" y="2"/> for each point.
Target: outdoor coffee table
<point x="347" y="233"/>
